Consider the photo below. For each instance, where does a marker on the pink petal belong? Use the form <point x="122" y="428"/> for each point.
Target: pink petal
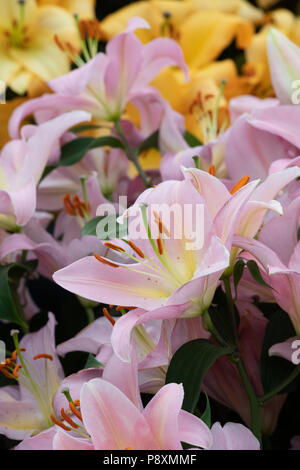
<point x="194" y="431"/>
<point x="42" y="441"/>
<point x="112" y="420"/>
<point x="65" y="441"/>
<point x="233" y="436"/>
<point x="162" y="414"/>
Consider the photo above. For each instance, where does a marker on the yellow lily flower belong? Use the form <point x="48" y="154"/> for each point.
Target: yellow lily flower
<point x="184" y="97"/>
<point x="206" y="34"/>
<point x="241" y="8"/>
<point x="154" y="13"/>
<point x="27" y="47"/>
<point x="203" y="29"/>
<point x="85" y="9"/>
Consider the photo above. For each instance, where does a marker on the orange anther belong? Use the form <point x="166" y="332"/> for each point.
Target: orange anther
<point x="69" y="206"/>
<point x="59" y="43"/>
<point x="212" y="170"/>
<point x="243" y="181"/>
<point x="75" y="411"/>
<point x="162" y="228"/>
<point x="14" y="356"/>
<point x="105" y="261"/>
<point x="136" y="249"/>
<point x="108" y="316"/>
<point x="68" y="419"/>
<point x="160" y="246"/>
<point x="43" y="356"/>
<point x="112" y="246"/>
<point x="118" y="308"/>
<point x="15" y="371"/>
<point x="78" y="204"/>
<point x="59" y="423"/>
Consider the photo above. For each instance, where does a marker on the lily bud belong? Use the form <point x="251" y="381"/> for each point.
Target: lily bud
<point x="284" y="59"/>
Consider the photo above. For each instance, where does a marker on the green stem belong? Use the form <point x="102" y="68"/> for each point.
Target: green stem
<point x="19" y="309"/>
<point x="255" y="406"/>
<point x="254" y="401"/>
<point x="132" y="156"/>
<point x="280" y="387"/>
<point x="90" y="314"/>
<point x="231" y="307"/>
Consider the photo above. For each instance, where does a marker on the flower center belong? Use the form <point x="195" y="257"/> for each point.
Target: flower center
<point x="25" y="374"/>
<point x="90" y="34"/>
<point x="209" y="118"/>
<point x="18" y="36"/>
<point x="162" y="267"/>
<point x="168" y="29"/>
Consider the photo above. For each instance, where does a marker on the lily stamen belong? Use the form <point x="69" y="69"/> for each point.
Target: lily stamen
<point x="105" y="261"/>
<point x="59" y="423"/>
<point x="15" y="371"/>
<point x="75" y="411"/>
<point x="160" y="246"/>
<point x="68" y="419"/>
<point x="136" y="249"/>
<point x="108" y="316"/>
<point x="112" y="246"/>
<point x="119" y="307"/>
<point x="212" y="170"/>
<point x="243" y="181"/>
<point x="43" y="356"/>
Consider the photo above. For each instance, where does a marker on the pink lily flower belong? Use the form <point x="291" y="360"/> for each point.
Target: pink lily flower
<point x="242" y="210"/>
<point x="278" y="252"/>
<point x="166" y="269"/>
<point x="286" y="349"/>
<point x="108" y="82"/>
<point x="113" y="418"/>
<point x="256" y="140"/>
<point x="247" y="104"/>
<point x="51" y="254"/>
<point x="26" y="408"/>
<point x="22" y="163"/>
<point x="233" y="436"/>
<point x="109" y="167"/>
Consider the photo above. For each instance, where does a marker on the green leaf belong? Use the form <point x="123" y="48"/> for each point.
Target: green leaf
<point x="189" y="366"/>
<point x="206" y="417"/>
<point x="255" y="273"/>
<point x="192" y="140"/>
<point x="274" y="370"/>
<point x="108" y="228"/>
<point x="197" y="164"/>
<point x="90" y="227"/>
<point x="238" y="272"/>
<point x="221" y="318"/>
<point x="74" y="151"/>
<point x="150" y="142"/>
<point x="298" y="235"/>
<point x="92" y="362"/>
<point x="9" y="280"/>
